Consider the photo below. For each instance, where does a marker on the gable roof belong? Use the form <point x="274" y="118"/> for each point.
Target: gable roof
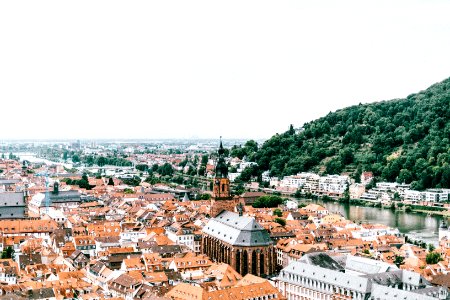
<point x="12" y="199"/>
<point x="237" y="230"/>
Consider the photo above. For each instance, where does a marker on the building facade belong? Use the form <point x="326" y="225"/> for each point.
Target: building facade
<point x="240" y="242"/>
<point x="319" y="276"/>
<point x="222" y="198"/>
<point x="231" y="238"/>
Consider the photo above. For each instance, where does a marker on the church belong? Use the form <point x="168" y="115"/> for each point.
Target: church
<point x="231" y="238"/>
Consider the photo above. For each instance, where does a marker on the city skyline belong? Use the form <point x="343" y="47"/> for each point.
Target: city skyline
<point x="204" y="69"/>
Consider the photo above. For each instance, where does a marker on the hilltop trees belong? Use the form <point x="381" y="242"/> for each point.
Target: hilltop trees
<point x="403" y="140"/>
<point x="248" y="150"/>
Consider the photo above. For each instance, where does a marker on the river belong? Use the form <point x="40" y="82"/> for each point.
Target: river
<point x="417" y="226"/>
<point x="31" y="157"/>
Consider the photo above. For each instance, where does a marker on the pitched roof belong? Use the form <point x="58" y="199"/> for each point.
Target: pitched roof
<point x="237" y="230"/>
<point x="12" y="199"/>
<point x="252" y="291"/>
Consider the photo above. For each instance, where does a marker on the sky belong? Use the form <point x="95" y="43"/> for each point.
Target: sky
<point x="204" y="69"/>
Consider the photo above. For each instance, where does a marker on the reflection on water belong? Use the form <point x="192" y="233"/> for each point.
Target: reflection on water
<point x="416" y="226"/>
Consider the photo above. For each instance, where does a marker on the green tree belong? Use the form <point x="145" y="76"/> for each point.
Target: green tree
<point x="277" y="212"/>
<point x="399" y="260"/>
<point x="134" y="181"/>
<point x="291" y="130"/>
<point x="403" y="140"/>
<point x="83" y="183"/>
<point x="357" y="174"/>
<point x="165" y="170"/>
<point x="431" y="247"/>
<point x="250" y="147"/>
<point x="90" y="160"/>
<point x="346" y="156"/>
<point x="298" y="194"/>
<point x="433" y="258"/>
<point x="334" y="166"/>
<point x="202" y="171"/>
<point x="101" y="161"/>
<point x="280" y="221"/>
<point x="268" y="201"/>
<point x="142" y="167"/>
<point x="75" y="158"/>
<point x="8" y="252"/>
<point x="346" y="197"/>
<point x="239" y="189"/>
<point x="128" y="191"/>
<point x="205" y="196"/>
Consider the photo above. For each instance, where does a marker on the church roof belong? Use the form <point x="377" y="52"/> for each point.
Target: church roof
<point x="237" y="230"/>
<point x="12" y="199"/>
<point x="65" y="196"/>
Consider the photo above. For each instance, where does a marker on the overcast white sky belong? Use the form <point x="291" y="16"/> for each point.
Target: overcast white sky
<point x="181" y="69"/>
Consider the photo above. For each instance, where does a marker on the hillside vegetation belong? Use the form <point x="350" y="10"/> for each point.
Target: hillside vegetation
<point x="403" y="140"/>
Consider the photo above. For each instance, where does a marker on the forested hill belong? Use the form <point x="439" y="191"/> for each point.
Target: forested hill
<point x="403" y="140"/>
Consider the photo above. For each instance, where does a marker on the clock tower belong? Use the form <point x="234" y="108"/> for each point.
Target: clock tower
<point x="221" y="199"/>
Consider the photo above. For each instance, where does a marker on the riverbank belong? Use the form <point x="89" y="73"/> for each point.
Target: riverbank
<point x="417" y="225"/>
<point x="394" y="206"/>
<point x="433" y="213"/>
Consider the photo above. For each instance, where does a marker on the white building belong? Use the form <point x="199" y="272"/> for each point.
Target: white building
<point x="436" y="195"/>
<point x="318" y="276"/>
<point x="233" y="176"/>
<point x="290" y="204"/>
<point x="245" y="164"/>
<point x="387" y="186"/>
<point x="182" y="236"/>
<point x="293" y="182"/>
<point x="357" y="190"/>
<point x="412" y="195"/>
<point x="265" y="176"/>
<point x="308" y="180"/>
<point x="57" y="215"/>
<point x="335" y="184"/>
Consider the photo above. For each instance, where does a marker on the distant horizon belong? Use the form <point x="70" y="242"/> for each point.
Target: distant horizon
<point x="125" y="139"/>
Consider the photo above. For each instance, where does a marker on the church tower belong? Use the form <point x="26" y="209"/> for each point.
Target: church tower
<point x="222" y="198"/>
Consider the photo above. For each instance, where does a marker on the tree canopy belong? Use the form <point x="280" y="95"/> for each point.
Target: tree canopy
<point x="433" y="258"/>
<point x="268" y="201"/>
<point x="403" y="140"/>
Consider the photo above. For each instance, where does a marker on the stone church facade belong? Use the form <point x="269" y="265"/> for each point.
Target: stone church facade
<point x="232" y="238"/>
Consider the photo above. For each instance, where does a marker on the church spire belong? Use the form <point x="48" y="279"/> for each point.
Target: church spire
<point x="221" y="150"/>
<point x="221" y="167"/>
<point x="221" y="188"/>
